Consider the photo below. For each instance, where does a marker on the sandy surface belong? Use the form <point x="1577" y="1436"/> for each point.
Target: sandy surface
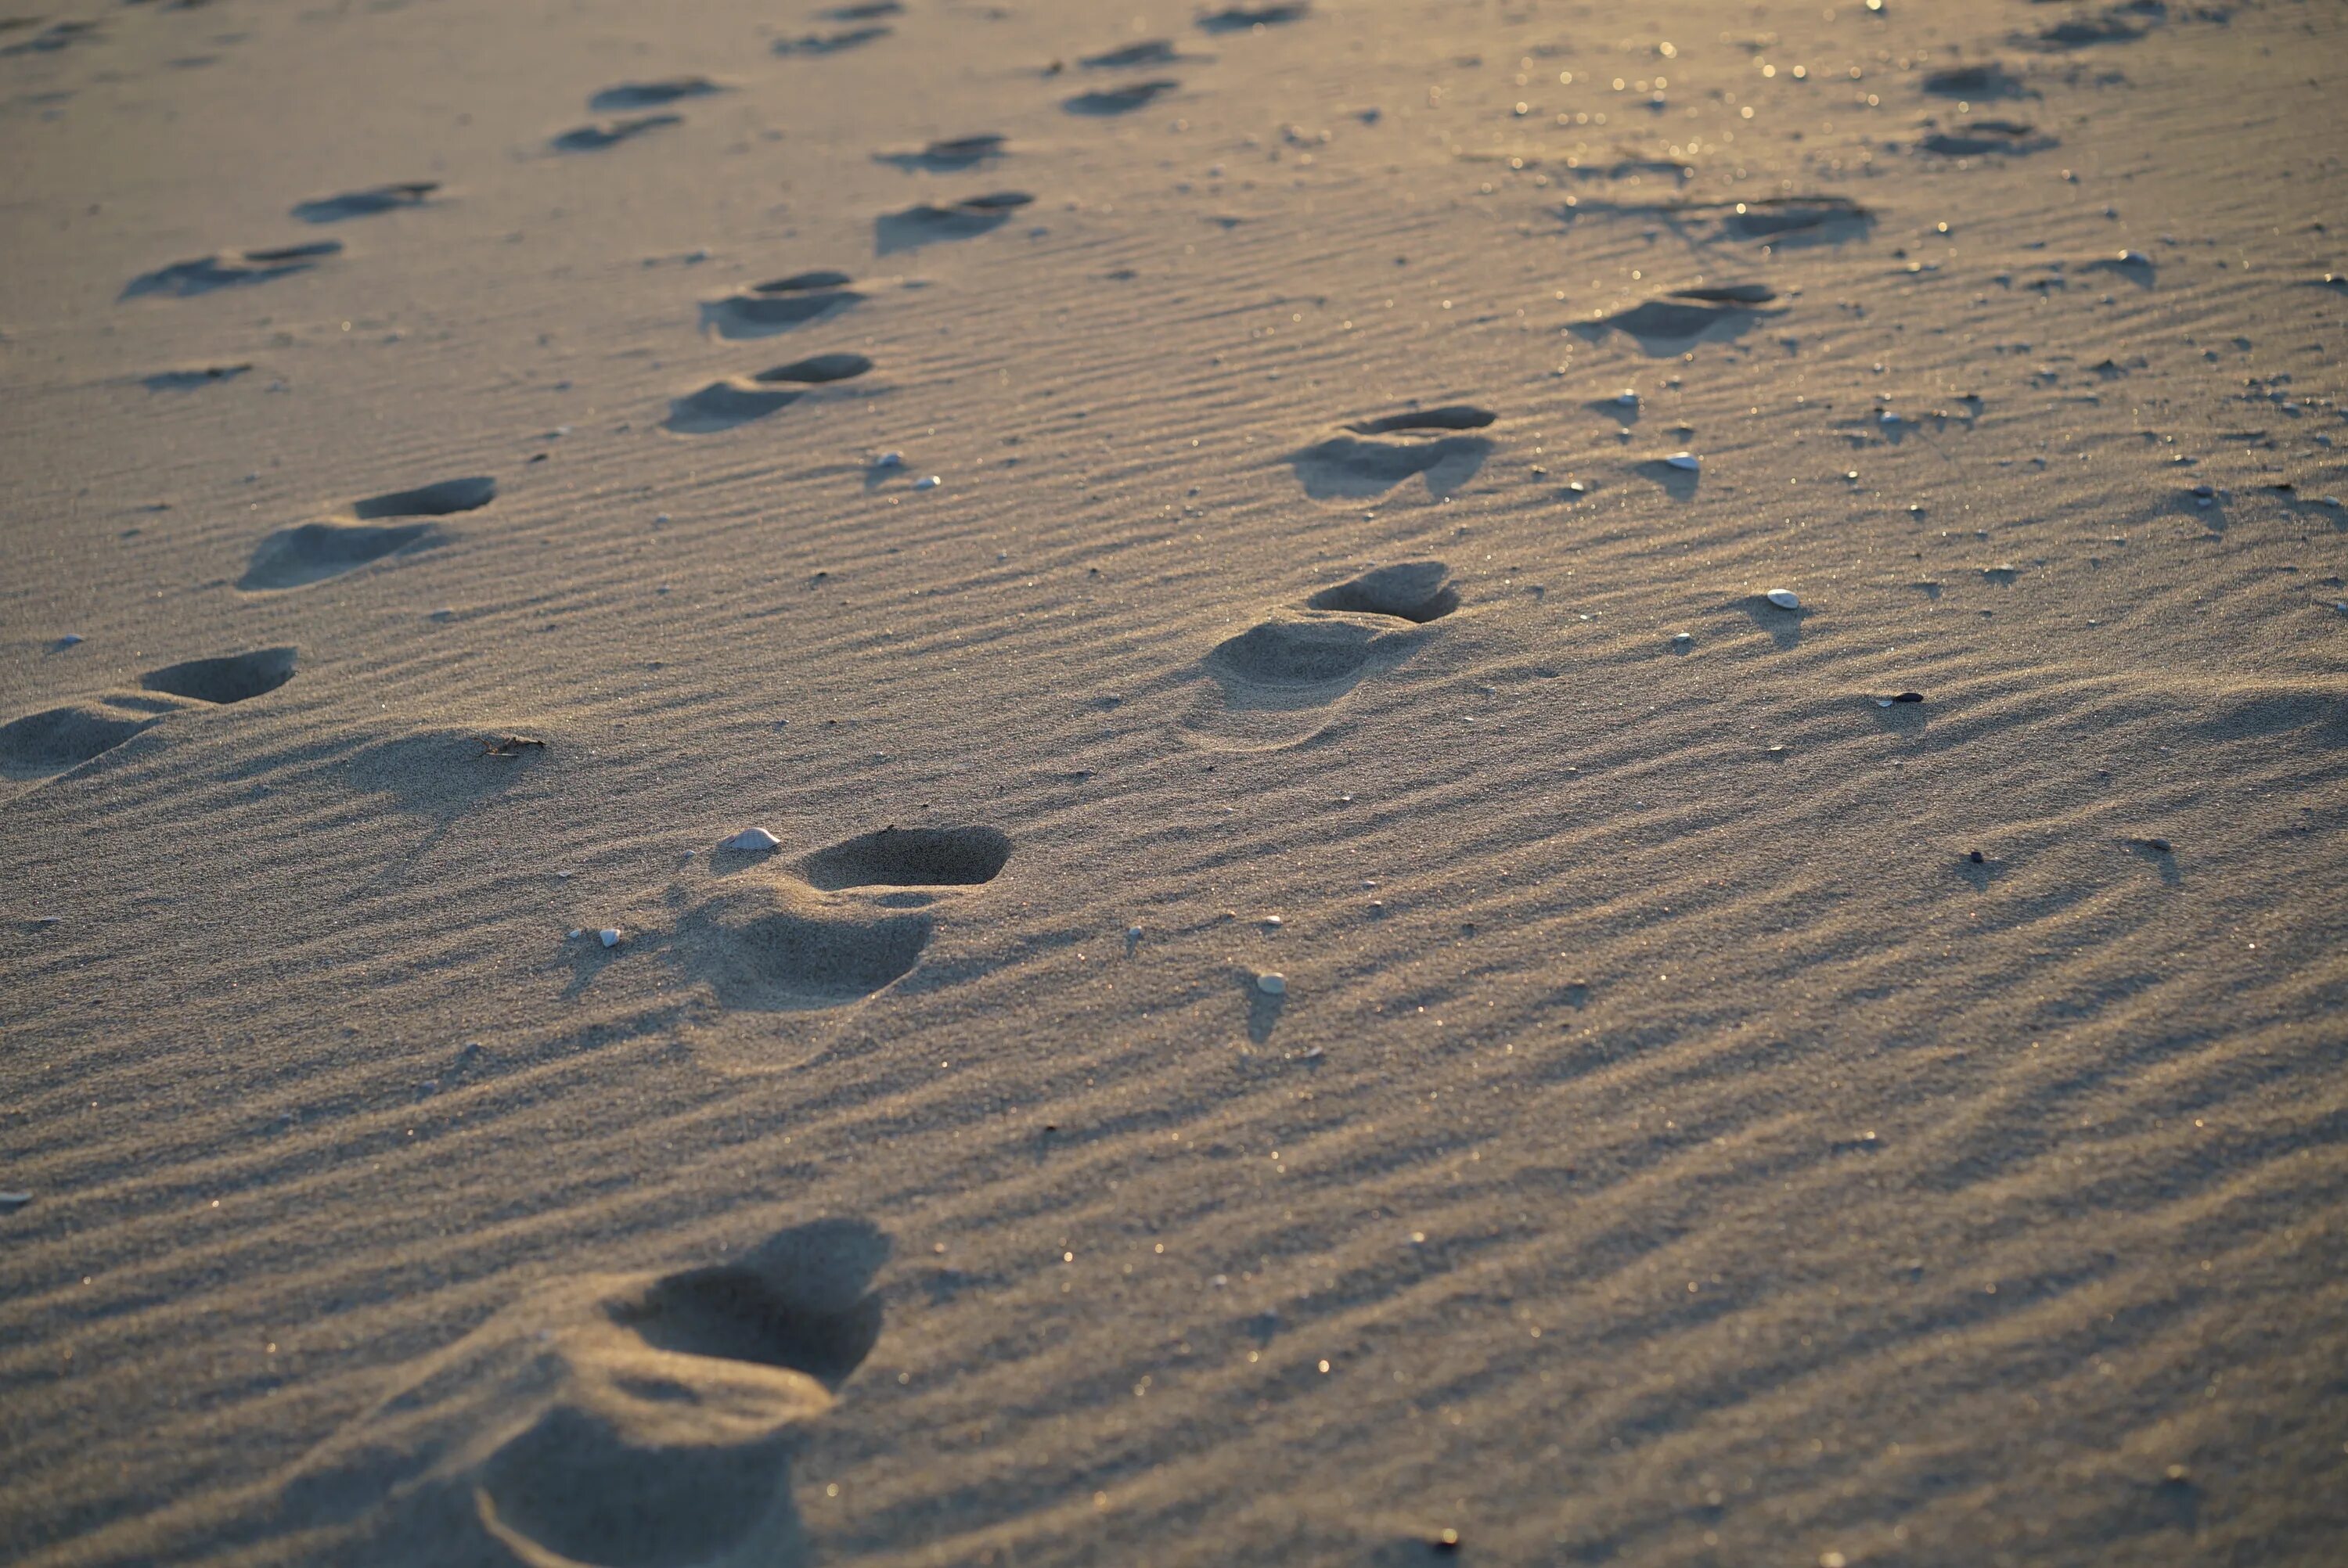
<point x="1711" y="1116"/>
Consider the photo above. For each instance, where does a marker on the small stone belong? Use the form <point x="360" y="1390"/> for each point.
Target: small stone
<point x="1686" y="461"/>
<point x="1133" y="933"/>
<point x="11" y="1202"/>
<point x="1445" y="1542"/>
<point x="928" y="482"/>
<point x="1784" y="597"/>
<point x="1683" y="637"/>
<point x="1271" y="922"/>
<point x="890" y="460"/>
<point x="751" y="840"/>
<point x="1627" y="398"/>
<point x="1903" y="697"/>
<point x="609" y="936"/>
<point x="69" y="639"/>
<point x="1272" y="984"/>
<point x="1975" y="856"/>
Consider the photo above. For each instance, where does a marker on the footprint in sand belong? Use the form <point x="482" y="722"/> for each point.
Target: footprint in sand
<point x="189" y="380"/>
<point x="366" y="203"/>
<point x="931" y="222"/>
<point x="737" y="401"/>
<point x="1120" y="101"/>
<point x="313" y="552"/>
<point x="1247" y="18"/>
<point x="56" y="739"/>
<point x="948" y="156"/>
<point x="1130" y="56"/>
<point x="830" y="43"/>
<point x="639" y="1418"/>
<point x="651" y="94"/>
<point x="230" y="269"/>
<point x="766" y="309"/>
<point x="1373" y="456"/>
<point x="1982" y="137"/>
<point x="835" y="927"/>
<point x="612" y="132"/>
<point x="1668" y="327"/>
<point x="1276" y="681"/>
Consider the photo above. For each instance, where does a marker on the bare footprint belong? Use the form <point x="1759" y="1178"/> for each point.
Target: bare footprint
<point x="646" y="1420"/>
<point x="612" y="132"/>
<point x="931" y="222"/>
<point x="768" y="308"/>
<point x="1247" y="18"/>
<point x="1120" y="101"/>
<point x="230" y="269"/>
<point x="735" y="402"/>
<point x="366" y="203"/>
<point x="1372" y="457"/>
<point x="950" y="155"/>
<point x="652" y="95"/>
<point x="831" y="43"/>
<point x="56" y="740"/>
<point x="313" y="552"/>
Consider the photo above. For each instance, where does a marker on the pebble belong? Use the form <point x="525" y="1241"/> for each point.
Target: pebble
<point x="750" y="840"/>
<point x="1975" y="856"/>
<point x="609" y="936"/>
<point x="1784" y="597"/>
<point x="1903" y="697"/>
<point x="11" y="1202"/>
<point x="69" y="639"/>
<point x="928" y="482"/>
<point x="1627" y="398"/>
<point x="1271" y="922"/>
<point x="1272" y="984"/>
<point x="1133" y="933"/>
<point x="1683" y="637"/>
<point x="890" y="460"/>
<point x="575" y="933"/>
<point x="1683" y="460"/>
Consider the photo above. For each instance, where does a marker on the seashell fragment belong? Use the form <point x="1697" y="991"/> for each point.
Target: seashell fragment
<point x="751" y="840"/>
<point x="1784" y="597"/>
<point x="1272" y="984"/>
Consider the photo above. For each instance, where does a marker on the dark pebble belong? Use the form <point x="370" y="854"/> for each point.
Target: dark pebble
<point x="1975" y="856"/>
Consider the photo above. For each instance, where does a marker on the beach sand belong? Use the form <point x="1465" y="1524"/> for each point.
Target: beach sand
<point x="1138" y="501"/>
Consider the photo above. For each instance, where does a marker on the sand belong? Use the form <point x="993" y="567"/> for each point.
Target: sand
<point x="1137" y="501"/>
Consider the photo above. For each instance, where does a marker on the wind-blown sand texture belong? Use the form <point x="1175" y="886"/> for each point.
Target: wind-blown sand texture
<point x="1140" y="502"/>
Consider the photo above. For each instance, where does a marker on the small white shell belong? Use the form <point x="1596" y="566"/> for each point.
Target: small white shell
<point x="1784" y="599"/>
<point x="750" y="840"/>
<point x="1627" y="398"/>
<point x="1686" y="460"/>
<point x="928" y="482"/>
<point x="1272" y="984"/>
<point x="609" y="936"/>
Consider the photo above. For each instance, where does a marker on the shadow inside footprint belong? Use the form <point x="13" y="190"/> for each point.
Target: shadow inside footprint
<point x="1666" y="327"/>
<point x="1119" y="100"/>
<point x="723" y="406"/>
<point x="830" y="43"/>
<point x="313" y="552"/>
<point x="817" y="370"/>
<point x="1372" y="457"/>
<point x="637" y="1419"/>
<point x="911" y="857"/>
<point x="947" y="157"/>
<point x="779" y="947"/>
<point x="231" y="679"/>
<point x="931" y="224"/>
<point x="1418" y="591"/>
<point x="1149" y="52"/>
<point x="189" y="380"/>
<point x="56" y="739"/>
<point x="366" y="203"/>
<point x="229" y="270"/>
<point x="1246" y="18"/>
<point x="780" y="305"/>
<point x="611" y="133"/>
<point x="651" y="94"/>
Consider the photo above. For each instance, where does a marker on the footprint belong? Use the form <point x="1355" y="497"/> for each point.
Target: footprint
<point x="1245" y="18"/>
<point x="782" y="946"/>
<point x="56" y="739"/>
<point x="612" y="132"/>
<point x="723" y="406"/>
<point x="645" y="1419"/>
<point x="929" y="222"/>
<point x="1151" y="52"/>
<point x="313" y="552"/>
<point x="189" y="380"/>
<point x="950" y="155"/>
<point x="1275" y="679"/>
<point x="1669" y="326"/>
<point x="778" y="306"/>
<point x="1120" y="101"/>
<point x="1988" y="80"/>
<point x="651" y="94"/>
<point x="863" y="12"/>
<point x="911" y="857"/>
<point x="1417" y="591"/>
<point x="366" y="203"/>
<point x="1372" y="457"/>
<point x="1774" y="216"/>
<point x="220" y="682"/>
<point x="54" y="37"/>
<point x="830" y="44"/>
<point x="1977" y="138"/>
<point x="1729" y="294"/>
<point x="817" y="369"/>
<point x="230" y="269"/>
